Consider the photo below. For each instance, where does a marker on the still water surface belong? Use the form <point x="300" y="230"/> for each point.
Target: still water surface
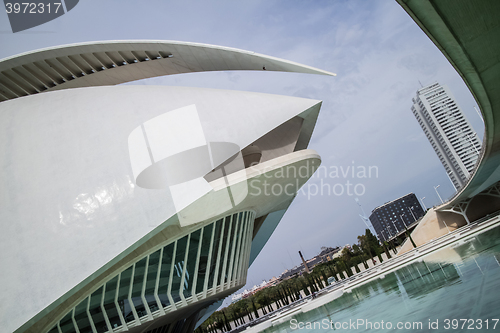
<point x="455" y="289"/>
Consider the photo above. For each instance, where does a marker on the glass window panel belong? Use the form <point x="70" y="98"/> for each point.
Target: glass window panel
<point x="245" y="253"/>
<point x="123" y="290"/>
<point x="223" y="246"/>
<point x="140" y="271"/>
<point x="126" y="310"/>
<point x="215" y="251"/>
<point x="96" y="311"/>
<point x="194" y="242"/>
<point x="230" y="240"/>
<point x="154" y="259"/>
<point x="237" y="244"/>
<point x="168" y="252"/>
<point x="243" y="248"/>
<point x="205" y="248"/>
<point x="66" y="324"/>
<point x="109" y="303"/>
<point x="178" y="266"/>
<point x="81" y="317"/>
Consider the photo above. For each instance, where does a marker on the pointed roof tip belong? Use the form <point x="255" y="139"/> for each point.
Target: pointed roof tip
<point x="319" y="72"/>
<point x="298" y="68"/>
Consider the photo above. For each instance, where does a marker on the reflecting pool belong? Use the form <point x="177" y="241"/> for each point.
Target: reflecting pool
<point x="454" y="289"/>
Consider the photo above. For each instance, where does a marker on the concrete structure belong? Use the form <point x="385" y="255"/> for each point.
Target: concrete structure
<point x="304" y="263"/>
<point x="109" y="63"/>
<point x="448" y="131"/>
<point x="138" y="208"/>
<point x="256" y="288"/>
<point x="467" y="33"/>
<point x="307" y="266"/>
<point x="392" y="217"/>
<point x="291" y="273"/>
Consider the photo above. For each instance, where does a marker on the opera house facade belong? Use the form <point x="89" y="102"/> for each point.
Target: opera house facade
<point x="138" y="208"/>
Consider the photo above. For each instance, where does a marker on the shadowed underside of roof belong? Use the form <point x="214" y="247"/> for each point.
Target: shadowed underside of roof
<point x="115" y="62"/>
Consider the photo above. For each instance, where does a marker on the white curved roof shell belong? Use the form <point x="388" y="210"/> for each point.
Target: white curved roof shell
<point x="114" y="62"/>
<point x="71" y="159"/>
<point x="68" y="184"/>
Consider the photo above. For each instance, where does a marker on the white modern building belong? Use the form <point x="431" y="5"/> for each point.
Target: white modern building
<point x="448" y="131"/>
<point x="138" y="208"/>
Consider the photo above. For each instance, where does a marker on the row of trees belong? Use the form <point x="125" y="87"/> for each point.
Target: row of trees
<point x="291" y="290"/>
<point x="264" y="301"/>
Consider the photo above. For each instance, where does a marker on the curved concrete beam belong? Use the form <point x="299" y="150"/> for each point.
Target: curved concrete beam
<point x="467" y="33"/>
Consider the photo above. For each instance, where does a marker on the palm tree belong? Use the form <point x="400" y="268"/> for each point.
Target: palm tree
<point x="254" y="307"/>
<point x="304" y="285"/>
<point x="365" y="258"/>
<point x="296" y="286"/>
<point x="365" y="246"/>
<point x="387" y="253"/>
<point x="226" y="322"/>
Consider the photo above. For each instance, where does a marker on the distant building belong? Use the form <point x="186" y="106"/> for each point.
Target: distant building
<point x="339" y="252"/>
<point x="328" y="253"/>
<point x="314" y="261"/>
<point x="236" y="298"/>
<point x="388" y="219"/>
<point x="274" y="281"/>
<point x="291" y="273"/>
<point x="448" y="131"/>
<point x="246" y="293"/>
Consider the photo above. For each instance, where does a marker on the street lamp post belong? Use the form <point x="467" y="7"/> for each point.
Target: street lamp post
<point x="422" y="199"/>
<point x="435" y="188"/>
<point x="395" y="228"/>
<point x="479" y="114"/>
<point x="391" y="241"/>
<point x="382" y="233"/>
<point x="387" y="226"/>
<point x="472" y="144"/>
<point x="411" y="211"/>
<point x="407" y="233"/>
<point x="401" y="217"/>
<point x="446" y="226"/>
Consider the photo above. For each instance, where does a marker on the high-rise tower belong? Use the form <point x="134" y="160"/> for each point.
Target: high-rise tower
<point x="448" y="131"/>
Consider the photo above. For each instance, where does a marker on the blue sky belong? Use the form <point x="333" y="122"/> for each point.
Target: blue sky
<point x="379" y="54"/>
